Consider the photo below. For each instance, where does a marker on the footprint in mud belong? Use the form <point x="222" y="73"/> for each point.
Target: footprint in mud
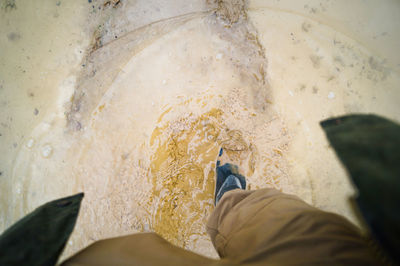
<point x="238" y="152"/>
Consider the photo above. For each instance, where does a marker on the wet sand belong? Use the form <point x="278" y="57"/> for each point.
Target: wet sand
<point x="131" y="101"/>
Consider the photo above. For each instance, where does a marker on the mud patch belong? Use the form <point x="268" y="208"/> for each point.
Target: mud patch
<point x="183" y="172"/>
<point x="231" y="10"/>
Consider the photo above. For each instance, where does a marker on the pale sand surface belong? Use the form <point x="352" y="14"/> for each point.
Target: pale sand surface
<point x="131" y="102"/>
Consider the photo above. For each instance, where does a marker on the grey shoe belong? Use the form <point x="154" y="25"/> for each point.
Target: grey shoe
<point x="228" y="178"/>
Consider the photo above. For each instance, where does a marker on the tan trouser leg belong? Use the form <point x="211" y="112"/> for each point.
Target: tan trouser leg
<point x="267" y="226"/>
<point x="137" y="249"/>
<point x="247" y="227"/>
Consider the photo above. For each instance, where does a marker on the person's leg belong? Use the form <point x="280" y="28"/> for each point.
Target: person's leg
<point x="267" y="226"/>
<point x="137" y="249"/>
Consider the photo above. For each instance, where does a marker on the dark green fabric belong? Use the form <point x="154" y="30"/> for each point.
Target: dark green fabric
<point x="369" y="147"/>
<point x="40" y="237"/>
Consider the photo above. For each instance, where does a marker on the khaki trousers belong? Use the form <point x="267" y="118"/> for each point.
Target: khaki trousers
<point x="247" y="228"/>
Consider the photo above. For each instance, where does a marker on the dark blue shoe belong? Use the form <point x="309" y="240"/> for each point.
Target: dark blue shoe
<point x="228" y="178"/>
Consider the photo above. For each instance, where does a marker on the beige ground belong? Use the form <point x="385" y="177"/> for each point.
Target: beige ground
<point x="130" y="102"/>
